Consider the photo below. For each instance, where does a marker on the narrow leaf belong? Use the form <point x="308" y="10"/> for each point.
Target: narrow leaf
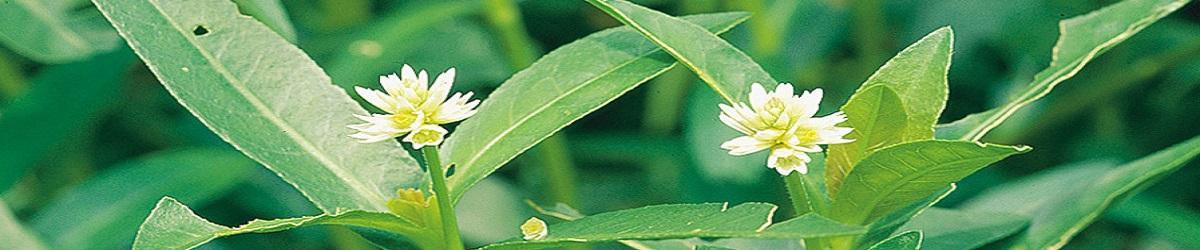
<point x="1080" y="40"/>
<point x="887" y="225"/>
<point x="749" y="220"/>
<point x="878" y="117"/>
<point x="953" y="229"/>
<point x="910" y="240"/>
<point x="13" y="235"/>
<point x="727" y="70"/>
<point x="57" y="107"/>
<point x="104" y="211"/>
<point x="559" y="88"/>
<point x="172" y="225"/>
<point x="54" y="31"/>
<point x="895" y="176"/>
<point x="1063" y="203"/>
<point x="264" y="96"/>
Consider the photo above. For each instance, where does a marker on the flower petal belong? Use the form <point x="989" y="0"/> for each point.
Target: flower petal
<point x="744" y="145"/>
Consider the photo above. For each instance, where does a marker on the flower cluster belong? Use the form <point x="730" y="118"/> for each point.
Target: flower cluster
<point x="414" y="108"/>
<point x="784" y="123"/>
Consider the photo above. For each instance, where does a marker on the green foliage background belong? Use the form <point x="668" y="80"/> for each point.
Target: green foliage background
<point x="89" y="139"/>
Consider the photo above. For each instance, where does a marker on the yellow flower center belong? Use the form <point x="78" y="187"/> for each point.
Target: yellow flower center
<point x="426" y="136"/>
<point x="806" y="136"/>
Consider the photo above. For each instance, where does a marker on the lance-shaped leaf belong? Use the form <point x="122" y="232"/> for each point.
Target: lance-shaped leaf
<point x="1080" y="40"/>
<point x="264" y="96"/>
<point x="749" y="220"/>
<point x="910" y="240"/>
<point x="54" y="31"/>
<point x="887" y="225"/>
<point x="57" y="107"/>
<point x="878" y="118"/>
<point x="896" y="176"/>
<point x="271" y="14"/>
<point x="105" y="210"/>
<point x="917" y="75"/>
<point x="559" y="88"/>
<point x="953" y="229"/>
<point x="1062" y="203"/>
<point x="13" y="235"/>
<point x="172" y="225"/>
<point x="727" y="70"/>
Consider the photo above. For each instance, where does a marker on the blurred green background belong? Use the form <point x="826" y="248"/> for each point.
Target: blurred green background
<point x="87" y="145"/>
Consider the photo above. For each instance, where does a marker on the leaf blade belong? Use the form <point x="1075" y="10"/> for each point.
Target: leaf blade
<point x="630" y="61"/>
<point x="955" y="229"/>
<point x="40" y="30"/>
<point x="873" y="114"/>
<point x="251" y="110"/>
<point x="879" y="185"/>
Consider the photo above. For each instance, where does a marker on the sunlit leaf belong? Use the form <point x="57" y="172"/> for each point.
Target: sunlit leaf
<point x="271" y="13"/>
<point x="54" y="31"/>
<point x="264" y="96"/>
<point x="104" y="211"/>
<point x="1062" y="203"/>
<point x="878" y="118"/>
<point x="910" y="240"/>
<point x="749" y="220"/>
<point x="896" y="176"/>
<point x="887" y="225"/>
<point x="559" y="88"/>
<point x="1080" y="40"/>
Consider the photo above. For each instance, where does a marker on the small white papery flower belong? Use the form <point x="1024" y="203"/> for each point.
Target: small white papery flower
<point x="413" y="107"/>
<point x="534" y="229"/>
<point x="784" y="123"/>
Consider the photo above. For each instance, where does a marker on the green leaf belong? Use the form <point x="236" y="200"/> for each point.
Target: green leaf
<point x="878" y="117"/>
<point x="172" y="225"/>
<point x="57" y="107"/>
<point x="917" y="75"/>
<point x="582" y="76"/>
<point x="271" y="14"/>
<point x="1173" y="220"/>
<point x="54" y="31"/>
<point x="749" y="220"/>
<point x="264" y="96"/>
<point x="13" y="235"/>
<point x="729" y="71"/>
<point x="896" y="176"/>
<point x="104" y="211"/>
<point x="954" y="229"/>
<point x="1062" y="203"/>
<point x="1080" y="40"/>
<point x="910" y="240"/>
<point x="884" y="227"/>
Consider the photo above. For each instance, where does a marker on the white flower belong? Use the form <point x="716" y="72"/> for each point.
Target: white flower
<point x="413" y="107"/>
<point x="534" y="229"/>
<point x="784" y="123"/>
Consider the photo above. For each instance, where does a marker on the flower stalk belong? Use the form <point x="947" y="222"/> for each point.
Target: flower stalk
<point x="449" y="219"/>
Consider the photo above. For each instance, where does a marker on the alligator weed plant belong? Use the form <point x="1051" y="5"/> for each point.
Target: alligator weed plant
<point x="391" y="165"/>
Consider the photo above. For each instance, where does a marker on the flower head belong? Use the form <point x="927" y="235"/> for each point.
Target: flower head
<point x="784" y="123"/>
<point x="534" y="229"/>
<point x="413" y="107"/>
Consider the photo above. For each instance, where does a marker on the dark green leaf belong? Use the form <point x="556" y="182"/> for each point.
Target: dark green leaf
<point x="953" y="229"/>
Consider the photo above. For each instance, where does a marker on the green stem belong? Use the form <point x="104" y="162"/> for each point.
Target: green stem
<point x="807" y="198"/>
<point x="449" y="221"/>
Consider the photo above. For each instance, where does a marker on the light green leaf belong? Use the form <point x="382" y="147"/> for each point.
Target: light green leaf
<point x="13" y="235"/>
<point x="264" y="96"/>
<point x="917" y="76"/>
<point x="729" y="71"/>
<point x="271" y="14"/>
<point x="896" y="176"/>
<point x="172" y="225"/>
<point x="1062" y="203"/>
<point x="53" y="31"/>
<point x="57" y="107"/>
<point x="1080" y="40"/>
<point x="954" y="229"/>
<point x="749" y="220"/>
<point x="559" y="88"/>
<point x="910" y="240"/>
<point x="878" y="117"/>
<point x="104" y="211"/>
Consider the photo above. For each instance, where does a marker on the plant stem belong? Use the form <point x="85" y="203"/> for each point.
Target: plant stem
<point x="807" y="198"/>
<point x="446" y="211"/>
